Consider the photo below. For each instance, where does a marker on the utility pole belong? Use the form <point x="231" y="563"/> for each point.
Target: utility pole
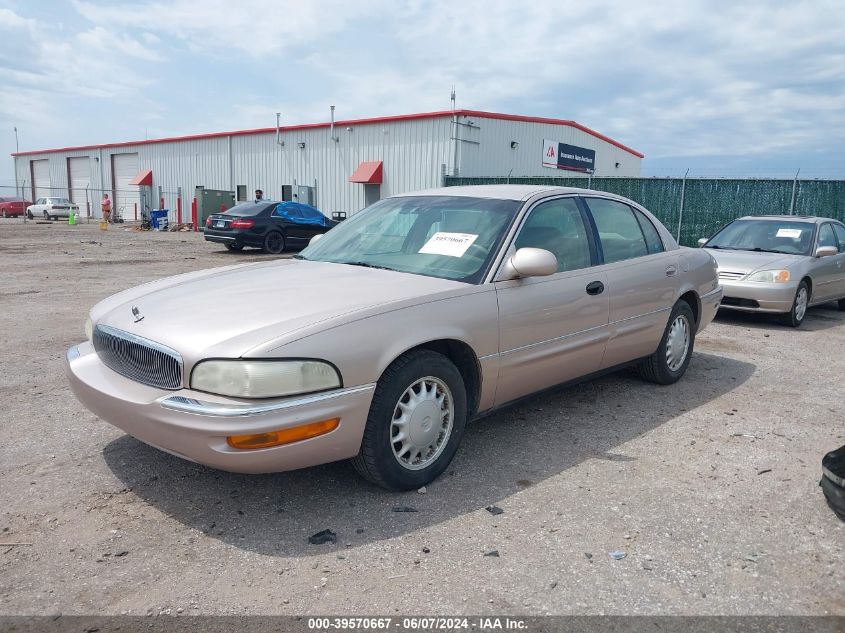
<point x="17" y="150"/>
<point x="15" y="166"/>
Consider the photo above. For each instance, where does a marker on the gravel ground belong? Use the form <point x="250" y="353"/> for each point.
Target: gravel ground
<point x="709" y="487"/>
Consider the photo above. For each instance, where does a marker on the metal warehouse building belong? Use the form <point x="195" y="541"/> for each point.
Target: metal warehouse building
<point x="338" y="166"/>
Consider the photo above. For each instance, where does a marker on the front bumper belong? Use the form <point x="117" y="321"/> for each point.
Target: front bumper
<point x="752" y="296"/>
<point x="709" y="307"/>
<point x="195" y="425"/>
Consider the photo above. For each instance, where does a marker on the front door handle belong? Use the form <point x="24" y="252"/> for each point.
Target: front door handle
<point x="595" y="288"/>
<point x="670" y="271"/>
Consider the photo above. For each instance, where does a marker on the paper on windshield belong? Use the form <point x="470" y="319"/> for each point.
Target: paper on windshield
<point x="451" y="244"/>
<point x="793" y="233"/>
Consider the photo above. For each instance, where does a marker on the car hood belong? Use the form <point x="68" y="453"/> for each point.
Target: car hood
<point x="750" y="261"/>
<point x="226" y="312"/>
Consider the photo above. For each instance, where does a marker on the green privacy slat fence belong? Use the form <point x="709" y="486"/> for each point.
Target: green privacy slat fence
<point x="708" y="202"/>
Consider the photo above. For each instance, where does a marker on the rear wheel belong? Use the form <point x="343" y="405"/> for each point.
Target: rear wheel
<point x="416" y="422"/>
<point x="46" y="216"/>
<point x="235" y="247"/>
<point x="673" y="355"/>
<point x="274" y="243"/>
<point x="29" y="215"/>
<point x="795" y="316"/>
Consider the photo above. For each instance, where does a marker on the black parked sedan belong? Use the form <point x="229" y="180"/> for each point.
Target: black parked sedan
<point x="270" y="226"/>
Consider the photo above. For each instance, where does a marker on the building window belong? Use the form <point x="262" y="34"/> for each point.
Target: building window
<point x="241" y="193"/>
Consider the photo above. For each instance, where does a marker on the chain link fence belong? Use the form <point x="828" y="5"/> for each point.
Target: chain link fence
<point x="692" y="208"/>
<point x="128" y="203"/>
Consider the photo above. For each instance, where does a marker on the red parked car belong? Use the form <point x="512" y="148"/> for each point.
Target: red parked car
<point x="13" y="207"/>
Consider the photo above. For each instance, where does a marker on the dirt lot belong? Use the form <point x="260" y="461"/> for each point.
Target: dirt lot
<point x="710" y="486"/>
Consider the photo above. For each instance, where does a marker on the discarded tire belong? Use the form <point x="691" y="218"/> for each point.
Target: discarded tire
<point x="833" y="481"/>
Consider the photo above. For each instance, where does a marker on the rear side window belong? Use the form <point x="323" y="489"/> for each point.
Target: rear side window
<point x="620" y="233"/>
<point x="826" y="236"/>
<point x="652" y="237"/>
<point x="840" y="236"/>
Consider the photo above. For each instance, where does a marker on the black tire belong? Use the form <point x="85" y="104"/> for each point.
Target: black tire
<point x="29" y="215"/>
<point x="46" y="216"/>
<point x="376" y="460"/>
<point x="656" y="368"/>
<point x="791" y="318"/>
<point x="842" y="304"/>
<point x="235" y="247"/>
<point x="274" y="242"/>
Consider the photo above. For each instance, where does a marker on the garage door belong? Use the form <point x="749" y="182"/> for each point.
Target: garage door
<point x="124" y="169"/>
<point x="40" y="179"/>
<point x="79" y="177"/>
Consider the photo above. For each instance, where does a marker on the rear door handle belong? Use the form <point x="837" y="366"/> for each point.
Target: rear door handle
<point x="671" y="271"/>
<point x="595" y="288"/>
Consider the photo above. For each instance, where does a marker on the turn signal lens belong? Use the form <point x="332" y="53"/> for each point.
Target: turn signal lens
<point x="284" y="436"/>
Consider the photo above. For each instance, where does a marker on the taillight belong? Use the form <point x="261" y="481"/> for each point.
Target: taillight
<point x="243" y="224"/>
<point x="208" y="221"/>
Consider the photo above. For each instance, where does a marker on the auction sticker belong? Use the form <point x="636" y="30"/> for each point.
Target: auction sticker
<point x="451" y="244"/>
<point x="793" y="233"/>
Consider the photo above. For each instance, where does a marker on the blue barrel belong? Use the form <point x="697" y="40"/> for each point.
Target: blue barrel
<point x="158" y="218"/>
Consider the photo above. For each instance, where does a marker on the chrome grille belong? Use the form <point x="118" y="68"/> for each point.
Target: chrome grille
<point x="138" y="358"/>
<point x="725" y="274"/>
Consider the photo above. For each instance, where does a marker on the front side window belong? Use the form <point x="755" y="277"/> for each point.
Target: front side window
<point x="451" y="237"/>
<point x="620" y="233"/>
<point x="557" y="226"/>
<point x="840" y="236"/>
<point x="827" y="237"/>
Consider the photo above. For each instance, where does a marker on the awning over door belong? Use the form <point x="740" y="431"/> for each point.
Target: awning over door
<point x="368" y="172"/>
<point x="144" y="178"/>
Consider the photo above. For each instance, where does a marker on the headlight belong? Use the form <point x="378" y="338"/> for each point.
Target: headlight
<point x="89" y="329"/>
<point x="770" y="276"/>
<point x="263" y="379"/>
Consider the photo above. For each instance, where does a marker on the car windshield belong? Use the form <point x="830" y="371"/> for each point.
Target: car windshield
<point x="768" y="236"/>
<point x="451" y="237"/>
<point x="250" y="208"/>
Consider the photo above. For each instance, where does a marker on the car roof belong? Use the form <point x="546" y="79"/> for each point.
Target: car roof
<point x="498" y="192"/>
<point x="790" y="218"/>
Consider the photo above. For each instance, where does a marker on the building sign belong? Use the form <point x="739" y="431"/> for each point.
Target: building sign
<point x="563" y="156"/>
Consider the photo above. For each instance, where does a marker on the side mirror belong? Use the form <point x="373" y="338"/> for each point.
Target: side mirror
<point x="702" y="242"/>
<point x="826" y="251"/>
<point x="530" y="262"/>
<point x="315" y="238"/>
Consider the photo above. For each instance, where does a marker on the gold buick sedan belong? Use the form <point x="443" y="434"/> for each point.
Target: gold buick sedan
<point x="381" y="339"/>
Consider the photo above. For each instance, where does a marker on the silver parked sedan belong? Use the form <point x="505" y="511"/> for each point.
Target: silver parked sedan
<point x="382" y="338"/>
<point x="780" y="264"/>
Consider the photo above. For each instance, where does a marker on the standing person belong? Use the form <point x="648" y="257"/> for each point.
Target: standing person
<point x="106" y="205"/>
<point x="259" y="195"/>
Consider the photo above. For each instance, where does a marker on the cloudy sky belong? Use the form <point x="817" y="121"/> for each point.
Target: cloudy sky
<point x="723" y="88"/>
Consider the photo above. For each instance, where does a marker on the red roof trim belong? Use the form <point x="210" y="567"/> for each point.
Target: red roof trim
<point x="369" y="172"/>
<point x="144" y="178"/>
<point x="348" y="122"/>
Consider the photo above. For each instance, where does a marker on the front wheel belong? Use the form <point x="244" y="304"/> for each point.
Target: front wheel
<point x="274" y="243"/>
<point x="795" y="316"/>
<point x="670" y="361"/>
<point x="29" y="215"/>
<point x="416" y="422"/>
